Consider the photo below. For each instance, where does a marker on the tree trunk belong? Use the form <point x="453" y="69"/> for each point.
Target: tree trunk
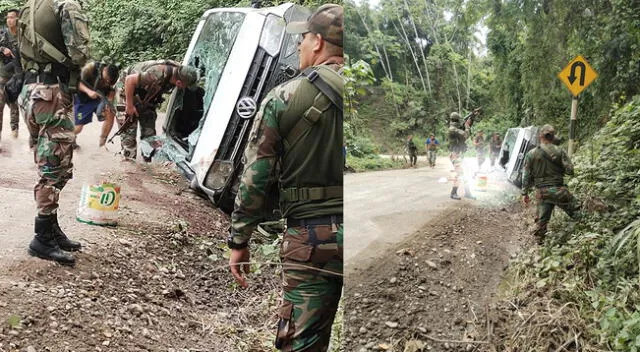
<point x="455" y="74"/>
<point x="468" y="79"/>
<point x="387" y="71"/>
<point x="415" y="60"/>
<point x="424" y="60"/>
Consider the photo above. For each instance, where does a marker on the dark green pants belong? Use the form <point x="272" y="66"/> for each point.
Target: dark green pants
<point x="311" y="297"/>
<point x="548" y="198"/>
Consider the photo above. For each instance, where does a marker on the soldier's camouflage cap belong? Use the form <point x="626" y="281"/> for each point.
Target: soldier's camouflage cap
<point x="188" y="75"/>
<point x="326" y="21"/>
<point x="454" y="116"/>
<point x="547" y="129"/>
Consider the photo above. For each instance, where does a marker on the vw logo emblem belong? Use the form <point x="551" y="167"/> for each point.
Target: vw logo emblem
<point x="246" y="107"/>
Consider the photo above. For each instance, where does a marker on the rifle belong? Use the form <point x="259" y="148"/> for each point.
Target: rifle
<point x="130" y="119"/>
<point x="127" y="122"/>
<point x="471" y="116"/>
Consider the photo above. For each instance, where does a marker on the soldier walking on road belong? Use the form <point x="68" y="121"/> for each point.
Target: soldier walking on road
<point x="458" y="135"/>
<point x="54" y="45"/>
<point x="299" y="128"/>
<point x="544" y="169"/>
<point x="431" y="145"/>
<point x="10" y="66"/>
<point x="413" y="151"/>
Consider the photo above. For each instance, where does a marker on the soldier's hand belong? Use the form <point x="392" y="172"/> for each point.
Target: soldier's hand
<point x="131" y="110"/>
<point x="525" y="199"/>
<point x="240" y="256"/>
<point x="92" y="94"/>
<point x="7" y="52"/>
<point x="468" y="124"/>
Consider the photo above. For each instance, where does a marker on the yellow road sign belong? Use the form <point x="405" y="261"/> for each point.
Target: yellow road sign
<point x="577" y="75"/>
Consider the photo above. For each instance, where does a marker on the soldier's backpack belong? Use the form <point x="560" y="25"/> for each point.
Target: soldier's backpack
<point x="457" y="140"/>
<point x="40" y="36"/>
<point x="330" y="94"/>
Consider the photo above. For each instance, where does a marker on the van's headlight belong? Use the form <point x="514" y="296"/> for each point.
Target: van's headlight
<point x="272" y="34"/>
<point x="218" y="174"/>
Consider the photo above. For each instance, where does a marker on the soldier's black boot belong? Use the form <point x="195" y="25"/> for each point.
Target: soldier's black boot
<point x="44" y="245"/>
<point x="61" y="238"/>
<point x="454" y="193"/>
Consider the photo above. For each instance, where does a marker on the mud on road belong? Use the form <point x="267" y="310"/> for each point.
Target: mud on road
<point x="144" y="286"/>
<point x="432" y="292"/>
<point x="159" y="281"/>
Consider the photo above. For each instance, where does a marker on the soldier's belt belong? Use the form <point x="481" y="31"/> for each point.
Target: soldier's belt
<point x="323" y="220"/>
<point x="549" y="185"/>
<point x="295" y="194"/>
<point x="44" y="78"/>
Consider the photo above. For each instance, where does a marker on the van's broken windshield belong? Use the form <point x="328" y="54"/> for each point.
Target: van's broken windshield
<point x="213" y="48"/>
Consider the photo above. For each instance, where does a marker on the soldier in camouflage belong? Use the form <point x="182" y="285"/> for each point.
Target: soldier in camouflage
<point x="139" y="93"/>
<point x="544" y="169"/>
<point x="481" y="149"/>
<point x="413" y="151"/>
<point x="457" y="136"/>
<point x="50" y="75"/>
<point x="494" y="148"/>
<point x="299" y="127"/>
<point x="10" y="55"/>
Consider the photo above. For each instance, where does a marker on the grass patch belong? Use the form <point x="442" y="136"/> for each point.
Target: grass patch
<point x="373" y="162"/>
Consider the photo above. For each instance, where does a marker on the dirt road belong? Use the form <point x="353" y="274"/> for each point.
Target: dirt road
<point x="383" y="208"/>
<point x="422" y="269"/>
<point x="159" y="281"/>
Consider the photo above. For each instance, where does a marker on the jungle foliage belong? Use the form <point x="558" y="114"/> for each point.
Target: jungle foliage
<point x="133" y="31"/>
<point x="592" y="267"/>
<point x="428" y="60"/>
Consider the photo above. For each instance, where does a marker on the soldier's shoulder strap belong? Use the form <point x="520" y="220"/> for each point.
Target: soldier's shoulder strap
<point x="330" y="94"/>
<point x="557" y="162"/>
<point x="38" y="41"/>
<point x="313" y="75"/>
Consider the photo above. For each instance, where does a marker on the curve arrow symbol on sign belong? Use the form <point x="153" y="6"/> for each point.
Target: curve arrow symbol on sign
<point x="572" y="77"/>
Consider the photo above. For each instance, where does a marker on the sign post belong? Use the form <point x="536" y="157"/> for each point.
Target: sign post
<point x="577" y="75"/>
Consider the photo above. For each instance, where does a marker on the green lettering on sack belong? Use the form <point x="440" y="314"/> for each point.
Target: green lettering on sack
<point x="108" y="198"/>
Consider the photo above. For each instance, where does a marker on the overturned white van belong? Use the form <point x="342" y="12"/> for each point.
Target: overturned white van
<point x="241" y="53"/>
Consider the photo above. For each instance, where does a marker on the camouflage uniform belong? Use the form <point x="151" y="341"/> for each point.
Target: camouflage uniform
<point x="481" y="150"/>
<point x="413" y="152"/>
<point x="153" y="81"/>
<point x="314" y="233"/>
<point x="494" y="148"/>
<point x="544" y="168"/>
<point x="8" y="69"/>
<point x="47" y="112"/>
<point x="46" y="104"/>
<point x="457" y="146"/>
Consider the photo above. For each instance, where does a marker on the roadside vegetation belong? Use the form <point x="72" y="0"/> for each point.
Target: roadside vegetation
<point x="584" y="281"/>
<point x="412" y="63"/>
<point x="418" y="61"/>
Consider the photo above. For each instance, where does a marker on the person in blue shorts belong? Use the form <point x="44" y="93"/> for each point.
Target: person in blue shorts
<point x="95" y="96"/>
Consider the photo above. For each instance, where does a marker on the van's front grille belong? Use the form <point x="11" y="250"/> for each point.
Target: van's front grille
<point x="234" y="139"/>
